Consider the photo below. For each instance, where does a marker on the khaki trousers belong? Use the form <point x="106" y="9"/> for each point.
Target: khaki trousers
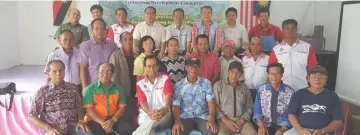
<point x="247" y="128"/>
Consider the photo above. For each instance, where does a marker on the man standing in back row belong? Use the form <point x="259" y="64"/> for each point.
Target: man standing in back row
<point x="80" y="32"/>
<point x="295" y="55"/>
<point x="152" y="28"/>
<point x="271" y="34"/>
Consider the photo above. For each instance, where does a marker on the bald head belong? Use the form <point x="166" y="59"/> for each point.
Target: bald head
<point x="74" y="15"/>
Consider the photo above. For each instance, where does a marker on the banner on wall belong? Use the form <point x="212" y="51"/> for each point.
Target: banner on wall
<point x="60" y="11"/>
<point x="135" y="9"/>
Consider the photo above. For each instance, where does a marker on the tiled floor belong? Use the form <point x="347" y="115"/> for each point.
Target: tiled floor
<point x="27" y="78"/>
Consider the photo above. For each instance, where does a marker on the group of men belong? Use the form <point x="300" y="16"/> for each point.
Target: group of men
<point x="180" y="81"/>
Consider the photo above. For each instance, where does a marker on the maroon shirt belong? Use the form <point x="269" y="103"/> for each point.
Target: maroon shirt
<point x="57" y="106"/>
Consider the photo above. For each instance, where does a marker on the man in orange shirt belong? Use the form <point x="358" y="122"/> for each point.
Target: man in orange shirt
<point x="210" y="67"/>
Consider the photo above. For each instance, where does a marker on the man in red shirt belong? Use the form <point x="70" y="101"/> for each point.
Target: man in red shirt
<point x="210" y="67"/>
<point x="269" y="33"/>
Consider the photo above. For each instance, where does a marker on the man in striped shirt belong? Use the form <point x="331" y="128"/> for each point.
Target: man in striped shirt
<point x="207" y="27"/>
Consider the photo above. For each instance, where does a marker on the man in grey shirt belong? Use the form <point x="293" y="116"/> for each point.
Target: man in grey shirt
<point x="234" y="103"/>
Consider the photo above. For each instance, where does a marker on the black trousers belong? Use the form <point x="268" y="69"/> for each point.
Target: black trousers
<point x="120" y="127"/>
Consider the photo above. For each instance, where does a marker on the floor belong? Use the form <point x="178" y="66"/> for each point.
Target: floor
<point x="28" y="79"/>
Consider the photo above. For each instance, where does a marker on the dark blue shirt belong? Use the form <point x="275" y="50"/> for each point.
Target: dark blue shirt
<point x="315" y="111"/>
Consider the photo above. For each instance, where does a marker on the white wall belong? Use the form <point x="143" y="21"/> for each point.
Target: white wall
<point x="9" y="52"/>
<point x="35" y="33"/>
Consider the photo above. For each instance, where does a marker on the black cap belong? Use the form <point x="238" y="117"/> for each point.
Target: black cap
<point x="193" y="61"/>
<point x="317" y="69"/>
<point x="236" y="65"/>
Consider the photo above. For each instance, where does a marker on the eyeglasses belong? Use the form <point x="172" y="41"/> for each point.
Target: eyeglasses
<point x="105" y="72"/>
<point x="317" y="76"/>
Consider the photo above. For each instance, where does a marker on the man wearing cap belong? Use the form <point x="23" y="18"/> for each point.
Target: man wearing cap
<point x="209" y="67"/>
<point x="228" y="57"/>
<point x="315" y="110"/>
<point x="295" y="55"/>
<point x="193" y="105"/>
<point x="255" y="64"/>
<point x="271" y="103"/>
<point x="234" y="103"/>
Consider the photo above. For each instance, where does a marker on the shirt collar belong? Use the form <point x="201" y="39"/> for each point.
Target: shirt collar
<point x="197" y="82"/>
<point x="282" y="87"/>
<point x="73" y="24"/>
<point x="175" y="26"/>
<point x="205" y="25"/>
<point x="235" y="25"/>
<point x="154" y="24"/>
<point x="262" y="55"/>
<point x="52" y="85"/>
<point x="197" y="54"/>
<point x="95" y="42"/>
<point x="260" y="28"/>
<point x="98" y="84"/>
<point x="232" y="58"/>
<point x="284" y="42"/>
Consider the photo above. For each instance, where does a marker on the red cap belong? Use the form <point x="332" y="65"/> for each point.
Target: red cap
<point x="229" y="43"/>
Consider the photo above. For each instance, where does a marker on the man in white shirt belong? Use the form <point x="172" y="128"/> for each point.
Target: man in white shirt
<point x="233" y="31"/>
<point x="295" y="55"/>
<point x="155" y="93"/>
<point x="121" y="26"/>
<point x="180" y="31"/>
<point x="152" y="28"/>
<point x="255" y="64"/>
<point x="227" y="58"/>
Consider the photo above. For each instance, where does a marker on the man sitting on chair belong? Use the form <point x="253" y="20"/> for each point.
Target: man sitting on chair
<point x="56" y="107"/>
<point x="104" y="101"/>
<point x="315" y="110"/>
<point x="155" y="93"/>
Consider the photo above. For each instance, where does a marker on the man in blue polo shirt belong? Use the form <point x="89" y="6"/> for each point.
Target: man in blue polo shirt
<point x="315" y="110"/>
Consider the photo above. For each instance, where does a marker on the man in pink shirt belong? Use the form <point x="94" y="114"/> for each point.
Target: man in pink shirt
<point x="210" y="67"/>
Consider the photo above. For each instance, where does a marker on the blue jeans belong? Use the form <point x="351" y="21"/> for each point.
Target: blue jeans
<point x="72" y="131"/>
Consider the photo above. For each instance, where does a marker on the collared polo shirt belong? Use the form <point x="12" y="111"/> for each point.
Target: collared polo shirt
<point x="79" y="31"/>
<point x="115" y="30"/>
<point x="193" y="99"/>
<point x="105" y="101"/>
<point x="255" y="71"/>
<point x="237" y="33"/>
<point x="153" y="93"/>
<point x="184" y="35"/>
<point x="225" y="66"/>
<point x="92" y="54"/>
<point x="156" y="31"/>
<point x="209" y="65"/>
<point x="295" y="59"/>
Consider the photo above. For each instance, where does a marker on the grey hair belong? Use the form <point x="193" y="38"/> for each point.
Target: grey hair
<point x="257" y="38"/>
<point x="53" y="62"/>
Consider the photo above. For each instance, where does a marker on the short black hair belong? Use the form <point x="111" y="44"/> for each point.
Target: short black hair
<point x="112" y="67"/>
<point x="289" y="21"/>
<point x="201" y="36"/>
<point x="172" y="38"/>
<point x="96" y="6"/>
<point x="121" y="35"/>
<point x="155" y="10"/>
<point x="178" y="9"/>
<point x="263" y="10"/>
<point x="142" y="40"/>
<point x="209" y="7"/>
<point x="279" y="65"/>
<point x="231" y="9"/>
<point x="98" y="19"/>
<point x="53" y="62"/>
<point x="157" y="61"/>
<point x="124" y="10"/>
